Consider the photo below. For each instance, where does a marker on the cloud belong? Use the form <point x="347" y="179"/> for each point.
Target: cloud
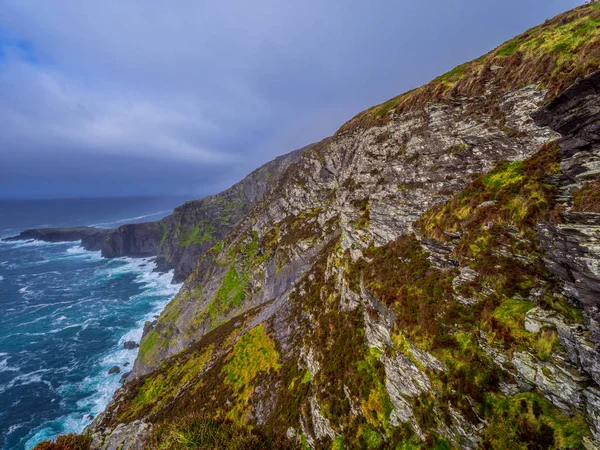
<point x="211" y="90"/>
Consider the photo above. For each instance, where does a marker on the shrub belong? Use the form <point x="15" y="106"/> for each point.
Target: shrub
<point x="66" y="442"/>
<point x="201" y="433"/>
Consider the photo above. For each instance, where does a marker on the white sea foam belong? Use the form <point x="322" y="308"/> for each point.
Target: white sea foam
<point x="4" y="367"/>
<point x="156" y="285"/>
<point x="25" y="379"/>
<point x="79" y="251"/>
<point x="31" y="243"/>
<point x="1" y="278"/>
<point x="130" y="219"/>
<point x="100" y="383"/>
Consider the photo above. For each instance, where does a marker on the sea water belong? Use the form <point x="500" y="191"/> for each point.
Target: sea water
<point x="65" y="314"/>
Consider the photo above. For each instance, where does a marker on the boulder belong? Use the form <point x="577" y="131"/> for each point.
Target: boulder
<point x="130" y="345"/>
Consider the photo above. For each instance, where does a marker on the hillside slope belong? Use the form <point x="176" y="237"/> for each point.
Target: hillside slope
<point x="426" y="278"/>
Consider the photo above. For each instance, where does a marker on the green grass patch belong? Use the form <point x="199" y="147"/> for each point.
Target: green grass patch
<point x="527" y="421"/>
<point x="203" y="233"/>
<point x="254" y="353"/>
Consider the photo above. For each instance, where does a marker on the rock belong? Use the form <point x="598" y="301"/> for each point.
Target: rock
<point x="130" y="345"/>
<point x="562" y="386"/>
<point x="405" y="376"/>
<point x="592" y="410"/>
<point x="466" y="276"/>
<point x="321" y="425"/>
<point x="124" y="376"/>
<point x="148" y="327"/>
<point x="114" y="370"/>
<point x="132" y="436"/>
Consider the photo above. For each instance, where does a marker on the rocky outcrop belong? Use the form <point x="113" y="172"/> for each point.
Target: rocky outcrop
<point x="573" y="246"/>
<point x="134" y="240"/>
<point x="132" y="436"/>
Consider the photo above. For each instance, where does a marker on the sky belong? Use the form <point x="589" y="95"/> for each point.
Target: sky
<point x="153" y="97"/>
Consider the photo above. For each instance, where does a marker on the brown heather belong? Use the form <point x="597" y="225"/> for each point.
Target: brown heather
<point x="552" y="56"/>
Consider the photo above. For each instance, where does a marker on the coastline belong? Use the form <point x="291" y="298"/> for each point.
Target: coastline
<point x="156" y="291"/>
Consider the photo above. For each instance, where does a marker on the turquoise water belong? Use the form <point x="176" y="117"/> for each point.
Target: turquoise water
<point x="66" y="313"/>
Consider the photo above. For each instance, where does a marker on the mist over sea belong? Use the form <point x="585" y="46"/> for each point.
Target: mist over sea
<point x="66" y="313"/>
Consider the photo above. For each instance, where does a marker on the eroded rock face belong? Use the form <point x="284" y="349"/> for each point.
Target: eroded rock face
<point x="366" y="186"/>
<point x="573" y="247"/>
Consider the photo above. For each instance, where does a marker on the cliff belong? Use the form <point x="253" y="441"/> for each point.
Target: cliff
<point x="426" y="278"/>
<point x="180" y="239"/>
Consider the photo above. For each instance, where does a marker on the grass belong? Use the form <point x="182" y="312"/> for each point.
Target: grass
<point x="66" y="442"/>
<point x="203" y="233"/>
<point x="508" y="174"/>
<point x="203" y="433"/>
<point x="159" y="388"/>
<point x="529" y="421"/>
<point x="254" y="353"/>
<point x="230" y="294"/>
<point x="365" y="215"/>
<point x="551" y="56"/>
<point x="587" y="198"/>
<point x="149" y="345"/>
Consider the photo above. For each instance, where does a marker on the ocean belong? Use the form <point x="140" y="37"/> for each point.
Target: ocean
<point x="66" y="313"/>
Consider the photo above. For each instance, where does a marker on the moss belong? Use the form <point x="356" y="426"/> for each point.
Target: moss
<point x="253" y="353"/>
<point x="371" y="438"/>
<point x="527" y="421"/>
<point x="229" y="295"/>
<point x="159" y="388"/>
<point x="203" y="233"/>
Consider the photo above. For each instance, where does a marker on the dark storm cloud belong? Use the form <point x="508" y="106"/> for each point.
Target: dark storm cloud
<point x="152" y="97"/>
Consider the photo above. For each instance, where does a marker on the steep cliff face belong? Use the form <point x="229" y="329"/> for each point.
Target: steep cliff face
<point x="180" y="239"/>
<point x="426" y="278"/>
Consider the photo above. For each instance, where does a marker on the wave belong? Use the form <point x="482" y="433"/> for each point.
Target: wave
<point x="4" y="367"/>
<point x="156" y="292"/>
<point x="26" y="379"/>
<point x="1" y="278"/>
<point x="129" y="219"/>
<point x="32" y="243"/>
